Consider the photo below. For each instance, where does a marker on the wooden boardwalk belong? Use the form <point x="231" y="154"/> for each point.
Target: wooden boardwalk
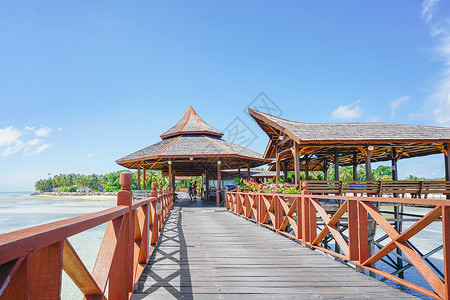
<point x="209" y="253"/>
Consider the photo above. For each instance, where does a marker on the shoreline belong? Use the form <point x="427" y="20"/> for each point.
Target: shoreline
<point x="77" y="195"/>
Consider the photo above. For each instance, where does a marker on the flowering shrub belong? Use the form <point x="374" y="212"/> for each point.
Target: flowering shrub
<point x="269" y="188"/>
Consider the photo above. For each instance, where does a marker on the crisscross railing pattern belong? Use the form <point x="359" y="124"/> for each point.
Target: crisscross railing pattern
<point x="32" y="260"/>
<point x="297" y="216"/>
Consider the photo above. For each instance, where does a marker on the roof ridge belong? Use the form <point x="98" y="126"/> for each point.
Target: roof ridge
<point x="189" y="112"/>
<point x="168" y="145"/>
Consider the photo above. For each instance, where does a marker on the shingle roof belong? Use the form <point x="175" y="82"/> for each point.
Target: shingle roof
<point x="358" y="131"/>
<point x="192" y="145"/>
<point x="191" y="123"/>
<point x="192" y="138"/>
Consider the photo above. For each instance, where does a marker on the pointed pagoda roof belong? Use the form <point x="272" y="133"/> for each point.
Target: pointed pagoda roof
<point x="191" y="123"/>
<point x="192" y="146"/>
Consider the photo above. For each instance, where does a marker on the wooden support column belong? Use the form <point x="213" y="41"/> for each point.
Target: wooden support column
<point x="446" y="246"/>
<point x="325" y="168"/>
<point x="172" y="189"/>
<point x="447" y="164"/>
<point x="219" y="184"/>
<point x="145" y="178"/>
<point x="207" y="184"/>
<point x="368" y="165"/>
<point x="296" y="163"/>
<point x="397" y="216"/>
<point x="285" y="172"/>
<point x="239" y="172"/>
<point x="307" y="168"/>
<point x="249" y="176"/>
<point x="278" y="168"/>
<point x="336" y="164"/>
<point x="170" y="174"/>
<point x="394" y="164"/>
<point x="139" y="177"/>
<point x="355" y="165"/>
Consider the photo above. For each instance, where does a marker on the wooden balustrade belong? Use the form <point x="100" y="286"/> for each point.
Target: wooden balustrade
<point x="32" y="260"/>
<point x="302" y="212"/>
<point x="380" y="188"/>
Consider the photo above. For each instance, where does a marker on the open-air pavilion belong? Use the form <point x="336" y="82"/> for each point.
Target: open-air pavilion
<point x="299" y="146"/>
<point x="192" y="147"/>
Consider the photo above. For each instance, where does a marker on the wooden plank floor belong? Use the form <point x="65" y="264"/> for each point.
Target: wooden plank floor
<point x="208" y="253"/>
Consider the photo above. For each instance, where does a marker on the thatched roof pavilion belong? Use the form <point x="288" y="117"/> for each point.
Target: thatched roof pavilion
<point x="192" y="147"/>
<point x="314" y="146"/>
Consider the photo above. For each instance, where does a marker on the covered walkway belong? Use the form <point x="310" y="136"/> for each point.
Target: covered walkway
<point x="208" y="253"/>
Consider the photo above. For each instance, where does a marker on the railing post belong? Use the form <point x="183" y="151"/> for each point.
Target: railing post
<point x="299" y="213"/>
<point x="236" y="199"/>
<point x="278" y="211"/>
<point x="227" y="201"/>
<point x="259" y="213"/>
<point x="306" y="216"/>
<point x="353" y="229"/>
<point x="160" y="217"/>
<point x="363" y="234"/>
<point x="121" y="276"/>
<point x="446" y="247"/>
<point x="154" y="216"/>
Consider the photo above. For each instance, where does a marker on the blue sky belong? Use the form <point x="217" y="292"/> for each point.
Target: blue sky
<point x="83" y="83"/>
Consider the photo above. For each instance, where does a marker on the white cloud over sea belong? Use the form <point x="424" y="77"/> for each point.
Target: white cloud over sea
<point x="439" y="30"/>
<point x="28" y="141"/>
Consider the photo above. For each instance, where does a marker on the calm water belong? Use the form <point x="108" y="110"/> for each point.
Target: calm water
<point x="20" y="210"/>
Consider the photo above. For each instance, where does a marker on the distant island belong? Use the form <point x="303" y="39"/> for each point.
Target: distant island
<point x="109" y="184"/>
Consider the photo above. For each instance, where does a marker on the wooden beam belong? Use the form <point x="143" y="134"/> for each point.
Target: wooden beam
<point x="368" y="166"/>
<point x="296" y="154"/>
<point x="355" y="165"/>
<point x="278" y="167"/>
<point x="139" y="177"/>
<point x="336" y="164"/>
<point x="394" y="164"/>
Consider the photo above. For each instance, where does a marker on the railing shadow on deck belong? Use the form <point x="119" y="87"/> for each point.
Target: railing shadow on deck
<point x="173" y="232"/>
<point x="32" y="260"/>
<point x="298" y="215"/>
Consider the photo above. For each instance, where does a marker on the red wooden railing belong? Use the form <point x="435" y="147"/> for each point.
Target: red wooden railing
<point x="303" y="211"/>
<point x="32" y="260"/>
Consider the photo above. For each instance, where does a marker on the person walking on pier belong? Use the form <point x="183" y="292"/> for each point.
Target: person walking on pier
<point x="191" y="191"/>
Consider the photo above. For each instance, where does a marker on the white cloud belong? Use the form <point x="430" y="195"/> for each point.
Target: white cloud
<point x="13" y="149"/>
<point x="91" y="154"/>
<point x="439" y="28"/>
<point x="13" y="140"/>
<point x="39" y="149"/>
<point x="43" y="131"/>
<point x="59" y="129"/>
<point x="8" y="136"/>
<point x="347" y="112"/>
<point x="427" y="12"/>
<point x="396" y="103"/>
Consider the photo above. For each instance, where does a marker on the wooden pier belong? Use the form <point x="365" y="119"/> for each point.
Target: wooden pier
<point x="209" y="253"/>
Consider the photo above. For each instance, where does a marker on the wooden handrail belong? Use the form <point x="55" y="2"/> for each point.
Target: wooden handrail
<point x="380" y="188"/>
<point x="301" y="212"/>
<point x="32" y="259"/>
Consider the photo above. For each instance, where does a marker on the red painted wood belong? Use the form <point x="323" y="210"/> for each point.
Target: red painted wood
<point x="352" y="208"/>
<point x="45" y="272"/>
<point x="19" y="243"/>
<point x="14" y="285"/>
<point x="446" y="250"/>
